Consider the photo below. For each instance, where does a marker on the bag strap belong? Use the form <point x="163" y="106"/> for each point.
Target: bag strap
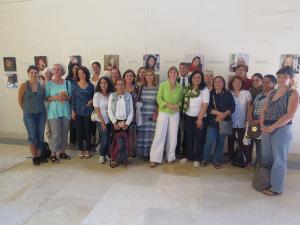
<point x="140" y="93"/>
<point x="214" y="102"/>
<point x="67" y="86"/>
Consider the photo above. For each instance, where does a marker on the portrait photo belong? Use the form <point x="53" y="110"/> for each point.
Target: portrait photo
<point x="237" y="59"/>
<point x="152" y="61"/>
<point x="195" y="62"/>
<point x="9" y="64"/>
<point x="12" y="81"/>
<point x="291" y="61"/>
<point x="40" y="62"/>
<point x="111" y="62"/>
<point x="75" y="59"/>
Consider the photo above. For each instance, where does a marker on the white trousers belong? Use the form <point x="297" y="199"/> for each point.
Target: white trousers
<point x="165" y="135"/>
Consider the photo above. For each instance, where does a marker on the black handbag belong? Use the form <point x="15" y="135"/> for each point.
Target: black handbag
<point x="261" y="178"/>
<point x="253" y="131"/>
<point x="225" y="126"/>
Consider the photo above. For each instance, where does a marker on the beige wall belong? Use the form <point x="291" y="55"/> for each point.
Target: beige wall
<point x="91" y="28"/>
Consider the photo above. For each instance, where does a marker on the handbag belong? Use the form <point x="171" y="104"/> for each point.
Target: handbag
<point x="253" y="131"/>
<point x="261" y="178"/>
<point x="94" y="116"/>
<point x="225" y="127"/>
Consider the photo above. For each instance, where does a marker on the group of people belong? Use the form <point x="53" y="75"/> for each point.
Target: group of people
<point x="182" y="117"/>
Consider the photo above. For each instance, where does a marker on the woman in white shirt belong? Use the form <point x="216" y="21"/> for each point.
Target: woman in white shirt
<point x="103" y="89"/>
<point x="195" y="103"/>
<point x="242" y="100"/>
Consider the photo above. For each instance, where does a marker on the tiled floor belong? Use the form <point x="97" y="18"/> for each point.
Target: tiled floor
<point x="86" y="192"/>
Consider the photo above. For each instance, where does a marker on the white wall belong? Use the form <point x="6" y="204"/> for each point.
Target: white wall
<point x="91" y="28"/>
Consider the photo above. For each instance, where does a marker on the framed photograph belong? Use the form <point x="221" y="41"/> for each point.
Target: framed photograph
<point x="237" y="59"/>
<point x="10" y="64"/>
<point x="12" y="81"/>
<point x="40" y="62"/>
<point x="195" y="62"/>
<point x="290" y="60"/>
<point x="152" y="61"/>
<point x="75" y="59"/>
<point x="111" y="62"/>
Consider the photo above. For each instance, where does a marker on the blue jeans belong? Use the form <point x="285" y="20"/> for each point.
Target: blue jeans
<point x="275" y="147"/>
<point x="212" y="137"/>
<point x="35" y="126"/>
<point x="104" y="138"/>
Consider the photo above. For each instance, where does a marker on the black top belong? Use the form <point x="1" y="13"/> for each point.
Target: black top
<point x="221" y="102"/>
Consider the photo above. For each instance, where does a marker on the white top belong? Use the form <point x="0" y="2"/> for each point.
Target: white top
<point x="196" y="103"/>
<point x="241" y="102"/>
<point x="120" y="113"/>
<point x="101" y="101"/>
<point x="186" y="81"/>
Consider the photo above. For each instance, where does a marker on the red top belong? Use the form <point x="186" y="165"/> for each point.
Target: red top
<point x="247" y="84"/>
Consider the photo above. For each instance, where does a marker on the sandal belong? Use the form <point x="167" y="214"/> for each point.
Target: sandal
<point x="64" y="156"/>
<point x="203" y="163"/>
<point x="217" y="166"/>
<point x="87" y="155"/>
<point x="152" y="164"/>
<point x="269" y="192"/>
<point x="54" y="159"/>
<point x="80" y="155"/>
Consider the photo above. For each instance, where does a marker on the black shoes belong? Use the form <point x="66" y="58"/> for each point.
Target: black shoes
<point x="38" y="160"/>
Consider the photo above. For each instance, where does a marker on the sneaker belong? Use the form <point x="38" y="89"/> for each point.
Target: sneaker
<point x="102" y="159"/>
<point x="184" y="160"/>
<point x="36" y="161"/>
<point x="196" y="164"/>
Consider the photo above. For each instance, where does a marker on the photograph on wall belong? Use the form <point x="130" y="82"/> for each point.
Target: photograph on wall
<point x="12" y="81"/>
<point x="75" y="59"/>
<point x="195" y="62"/>
<point x="111" y="62"/>
<point x="10" y="64"/>
<point x="291" y="61"/>
<point x="237" y="59"/>
<point x="40" y="62"/>
<point x="152" y="61"/>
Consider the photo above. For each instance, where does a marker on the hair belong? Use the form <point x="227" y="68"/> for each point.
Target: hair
<point x="230" y="84"/>
<point x="85" y="71"/>
<point x="120" y="79"/>
<point x="70" y="71"/>
<point x="130" y="71"/>
<point x="138" y="72"/>
<point x="223" y="80"/>
<point x="271" y="77"/>
<point x="109" y="64"/>
<point x="154" y="82"/>
<point x="47" y="70"/>
<point x="96" y="63"/>
<point x="63" y="71"/>
<point x="42" y="77"/>
<point x="117" y="70"/>
<point x="174" y="68"/>
<point x="32" y="67"/>
<point x="283" y="61"/>
<point x="197" y="57"/>
<point x="242" y="65"/>
<point x="110" y="87"/>
<point x="258" y="75"/>
<point x="202" y="84"/>
<point x="147" y="60"/>
<point x="287" y="71"/>
<point x="184" y="64"/>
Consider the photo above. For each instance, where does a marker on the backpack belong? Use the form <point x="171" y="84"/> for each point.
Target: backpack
<point x="239" y="159"/>
<point x="119" y="149"/>
<point x="46" y="153"/>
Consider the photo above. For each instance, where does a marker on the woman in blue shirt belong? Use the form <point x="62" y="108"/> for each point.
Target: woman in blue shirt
<point x="82" y="101"/>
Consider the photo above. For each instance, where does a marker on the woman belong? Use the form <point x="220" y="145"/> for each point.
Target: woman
<point x="257" y="81"/>
<point x="82" y="101"/>
<point x="31" y="100"/>
<point x="151" y="62"/>
<point x="115" y="75"/>
<point x="72" y="77"/>
<point x="100" y="102"/>
<point x="140" y="76"/>
<point x="242" y="99"/>
<point x="221" y="106"/>
<point x="276" y="126"/>
<point x="129" y="78"/>
<point x="195" y="103"/>
<point x="96" y="66"/>
<point x="58" y="94"/>
<point x="196" y="64"/>
<point x="208" y="78"/>
<point x="169" y="99"/>
<point x="147" y="96"/>
<point x="269" y="82"/>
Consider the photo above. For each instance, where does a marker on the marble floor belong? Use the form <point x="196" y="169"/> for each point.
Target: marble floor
<point x="86" y="192"/>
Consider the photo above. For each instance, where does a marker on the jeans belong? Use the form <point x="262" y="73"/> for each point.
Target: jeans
<point x="105" y="138"/>
<point x="212" y="137"/>
<point x="275" y="147"/>
<point x="35" y="126"/>
<point x="83" y="132"/>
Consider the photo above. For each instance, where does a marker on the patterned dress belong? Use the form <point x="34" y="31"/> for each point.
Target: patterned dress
<point x="147" y="129"/>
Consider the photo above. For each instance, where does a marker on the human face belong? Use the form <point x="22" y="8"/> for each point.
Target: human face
<point x="96" y="69"/>
<point x="268" y="85"/>
<point x="241" y="72"/>
<point x="151" y="62"/>
<point x="115" y="74"/>
<point x="74" y="70"/>
<point x="172" y="76"/>
<point x="288" y="61"/>
<point x="142" y="74"/>
<point x="103" y="85"/>
<point x="283" y="80"/>
<point x="196" y="62"/>
<point x="149" y="78"/>
<point x="129" y="78"/>
<point x="48" y="75"/>
<point x="237" y="85"/>
<point x="57" y="70"/>
<point x="256" y="82"/>
<point x="218" y="84"/>
<point x="208" y="77"/>
<point x="196" y="80"/>
<point x="112" y="61"/>
<point x="120" y="87"/>
<point x="183" y="70"/>
<point x="81" y="75"/>
<point x="33" y="75"/>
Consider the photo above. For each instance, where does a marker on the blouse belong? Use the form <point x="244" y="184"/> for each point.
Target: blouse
<point x="241" y="106"/>
<point x="196" y="103"/>
<point x="80" y="99"/>
<point x="101" y="101"/>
